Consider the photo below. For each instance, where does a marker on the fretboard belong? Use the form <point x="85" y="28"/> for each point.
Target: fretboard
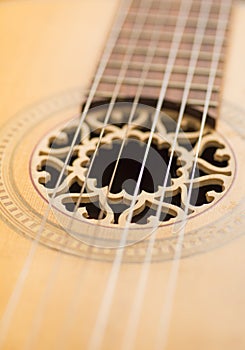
<point x="159" y="37"/>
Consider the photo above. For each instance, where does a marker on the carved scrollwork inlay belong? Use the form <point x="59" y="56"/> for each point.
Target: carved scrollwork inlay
<point x="98" y="197"/>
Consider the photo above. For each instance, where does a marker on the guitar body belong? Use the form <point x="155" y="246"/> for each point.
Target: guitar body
<point x="49" y="51"/>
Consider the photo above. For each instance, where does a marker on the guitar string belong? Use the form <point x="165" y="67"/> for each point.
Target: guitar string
<point x="164" y="323"/>
<point x="104" y="309"/>
<point x="138" y="25"/>
<point x="19" y="285"/>
<point x="69" y="320"/>
<point x="133" y="321"/>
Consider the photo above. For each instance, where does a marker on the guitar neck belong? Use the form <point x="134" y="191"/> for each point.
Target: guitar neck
<point x="168" y="39"/>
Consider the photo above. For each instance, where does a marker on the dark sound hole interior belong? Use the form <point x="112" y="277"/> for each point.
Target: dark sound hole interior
<point x="93" y="209"/>
<point x="127" y="170"/>
<point x="208" y="155"/>
<point x="70" y="134"/>
<point x="129" y="167"/>
<point x="54" y="175"/>
<point x="142" y="218"/>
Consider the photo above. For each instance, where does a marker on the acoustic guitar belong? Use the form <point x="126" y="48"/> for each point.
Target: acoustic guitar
<point x="122" y="175"/>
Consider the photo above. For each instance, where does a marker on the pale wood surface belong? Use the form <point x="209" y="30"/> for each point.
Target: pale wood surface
<point x="52" y="46"/>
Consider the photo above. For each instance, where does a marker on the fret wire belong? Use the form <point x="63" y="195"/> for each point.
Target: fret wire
<point x="157" y="83"/>
<point x="167" y="35"/>
<point x="192" y="14"/>
<point x="191" y="102"/>
<point x="104" y="309"/>
<point x="158" y="67"/>
<point x="197" y="102"/>
<point x="161" y="52"/>
<point x="192" y="21"/>
<point x="195" y="6"/>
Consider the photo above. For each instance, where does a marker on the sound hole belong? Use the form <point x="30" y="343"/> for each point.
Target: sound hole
<point x="115" y="178"/>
